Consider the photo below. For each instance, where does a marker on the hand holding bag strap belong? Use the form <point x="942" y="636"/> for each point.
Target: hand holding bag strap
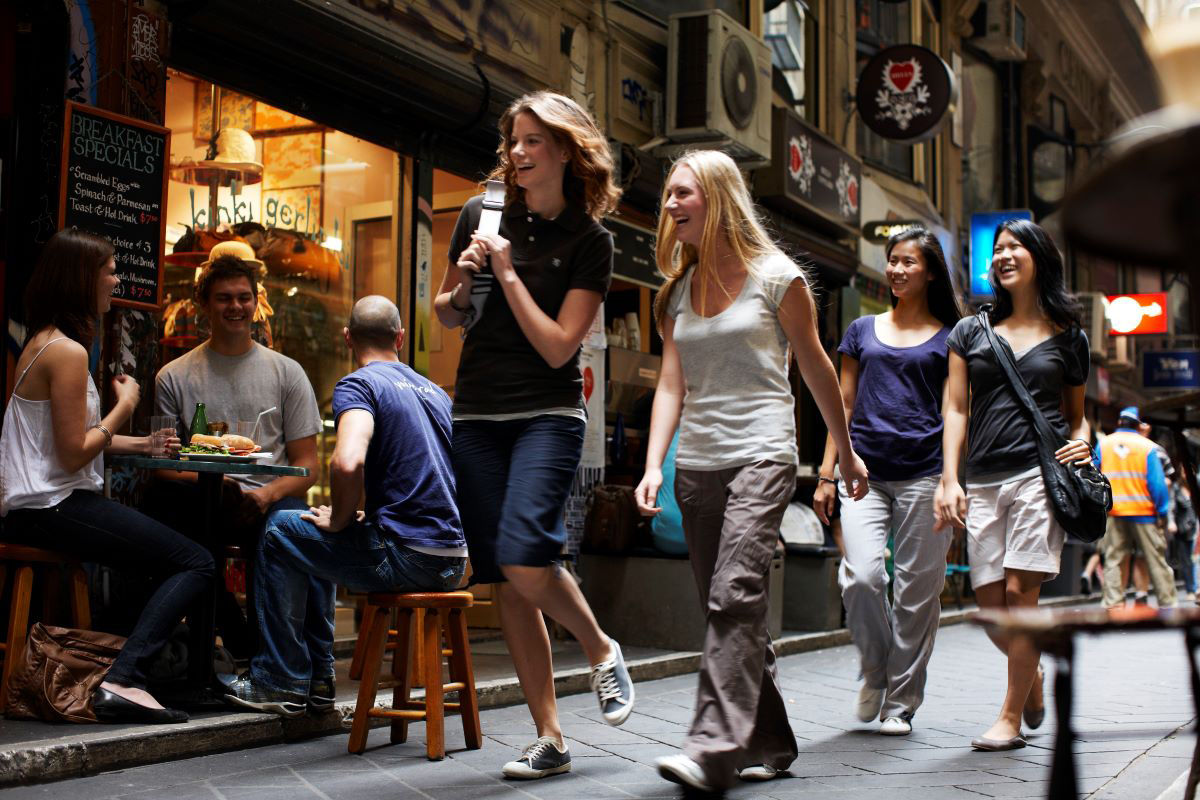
<point x="1007" y="363"/>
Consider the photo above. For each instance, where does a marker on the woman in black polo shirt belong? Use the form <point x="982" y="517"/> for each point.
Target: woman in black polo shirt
<point x="526" y="296"/>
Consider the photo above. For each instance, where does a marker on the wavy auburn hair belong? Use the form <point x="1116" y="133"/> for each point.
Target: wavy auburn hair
<point x="62" y="290"/>
<point x="730" y="215"/>
<point x="588" y="177"/>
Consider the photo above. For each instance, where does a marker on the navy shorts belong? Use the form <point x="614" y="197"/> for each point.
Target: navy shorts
<point x="513" y="481"/>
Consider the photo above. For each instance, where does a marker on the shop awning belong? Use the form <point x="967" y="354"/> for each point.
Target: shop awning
<point x="340" y="65"/>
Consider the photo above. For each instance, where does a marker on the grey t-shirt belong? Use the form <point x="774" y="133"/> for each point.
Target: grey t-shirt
<point x="738" y="408"/>
<point x="235" y="388"/>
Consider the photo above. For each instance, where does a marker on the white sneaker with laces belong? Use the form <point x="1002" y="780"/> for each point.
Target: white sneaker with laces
<point x="758" y="772"/>
<point x="866" y="708"/>
<point x="895" y="726"/>
<point x="680" y="769"/>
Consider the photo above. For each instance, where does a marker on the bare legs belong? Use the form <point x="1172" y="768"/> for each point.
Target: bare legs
<point x="1019" y="589"/>
<point x="529" y="592"/>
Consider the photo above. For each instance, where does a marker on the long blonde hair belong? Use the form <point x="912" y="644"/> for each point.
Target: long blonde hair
<point x="588" y="178"/>
<point x="731" y="215"/>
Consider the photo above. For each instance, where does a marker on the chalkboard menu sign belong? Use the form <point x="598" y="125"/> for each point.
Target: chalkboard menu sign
<point x="114" y="183"/>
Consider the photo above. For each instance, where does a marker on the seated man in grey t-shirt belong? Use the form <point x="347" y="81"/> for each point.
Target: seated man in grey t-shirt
<point x="236" y="379"/>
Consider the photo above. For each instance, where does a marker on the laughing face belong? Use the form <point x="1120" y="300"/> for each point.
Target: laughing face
<point x="231" y="305"/>
<point x="1012" y="264"/>
<point x="686" y="205"/>
<point x="536" y="156"/>
<point x="907" y="274"/>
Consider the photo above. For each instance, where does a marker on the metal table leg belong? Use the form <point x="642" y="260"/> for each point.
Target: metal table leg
<point x="1063" y="783"/>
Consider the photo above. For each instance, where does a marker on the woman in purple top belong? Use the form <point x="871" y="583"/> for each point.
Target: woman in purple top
<point x="893" y="375"/>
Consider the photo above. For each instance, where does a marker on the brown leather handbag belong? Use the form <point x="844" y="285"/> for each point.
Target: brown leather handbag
<point x="58" y="672"/>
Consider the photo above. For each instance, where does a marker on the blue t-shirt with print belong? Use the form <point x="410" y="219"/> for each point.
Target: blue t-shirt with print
<point x="409" y="480"/>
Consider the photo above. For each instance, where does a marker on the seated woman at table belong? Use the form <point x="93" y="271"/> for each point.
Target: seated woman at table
<point x="52" y="461"/>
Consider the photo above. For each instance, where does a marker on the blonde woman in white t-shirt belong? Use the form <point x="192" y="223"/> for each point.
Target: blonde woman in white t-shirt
<point x="732" y="308"/>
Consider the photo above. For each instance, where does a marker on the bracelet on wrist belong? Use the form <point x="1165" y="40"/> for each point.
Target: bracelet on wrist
<point x="107" y="434"/>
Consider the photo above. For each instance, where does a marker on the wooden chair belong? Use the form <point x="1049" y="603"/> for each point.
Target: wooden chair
<point x="438" y="608"/>
<point x="22" y="561"/>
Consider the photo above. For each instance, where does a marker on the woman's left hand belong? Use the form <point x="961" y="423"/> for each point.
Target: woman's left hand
<point x="500" y="250"/>
<point x="1075" y="451"/>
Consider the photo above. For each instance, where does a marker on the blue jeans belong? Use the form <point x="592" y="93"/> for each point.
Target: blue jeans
<point x="514" y="478"/>
<point x="298" y="566"/>
<point x="95" y="529"/>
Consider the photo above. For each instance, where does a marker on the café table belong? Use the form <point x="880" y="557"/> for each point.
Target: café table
<point x="202" y="688"/>
<point x="1054" y="631"/>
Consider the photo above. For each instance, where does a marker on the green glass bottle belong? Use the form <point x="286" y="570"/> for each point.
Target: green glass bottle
<point x="199" y="420"/>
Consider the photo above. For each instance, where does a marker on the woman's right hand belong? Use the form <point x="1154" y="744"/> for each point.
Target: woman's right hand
<point x="127" y="391"/>
<point x="949" y="505"/>
<point x="824" y="499"/>
<point x="646" y="493"/>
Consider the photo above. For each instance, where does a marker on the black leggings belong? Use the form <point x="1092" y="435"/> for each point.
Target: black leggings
<point x="98" y="530"/>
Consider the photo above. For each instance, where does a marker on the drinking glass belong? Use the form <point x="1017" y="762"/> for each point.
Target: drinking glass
<point x="162" y="428"/>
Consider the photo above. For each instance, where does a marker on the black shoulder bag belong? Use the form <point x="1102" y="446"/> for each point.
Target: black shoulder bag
<point x="1079" y="493"/>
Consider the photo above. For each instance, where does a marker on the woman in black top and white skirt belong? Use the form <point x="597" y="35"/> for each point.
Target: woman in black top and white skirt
<point x="1013" y="540"/>
<point x="527" y="296"/>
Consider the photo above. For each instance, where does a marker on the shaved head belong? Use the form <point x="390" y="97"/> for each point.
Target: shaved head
<point x="375" y="322"/>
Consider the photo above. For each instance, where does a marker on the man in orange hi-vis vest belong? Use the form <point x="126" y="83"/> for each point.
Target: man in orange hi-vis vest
<point x="1139" y="511"/>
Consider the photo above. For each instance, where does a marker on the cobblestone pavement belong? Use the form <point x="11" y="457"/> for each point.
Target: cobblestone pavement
<point x="1132" y="696"/>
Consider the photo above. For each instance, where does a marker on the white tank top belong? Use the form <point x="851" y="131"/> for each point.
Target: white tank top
<point x="30" y="473"/>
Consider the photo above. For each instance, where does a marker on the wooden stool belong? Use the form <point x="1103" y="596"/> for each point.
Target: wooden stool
<point x="437" y="606"/>
<point x="23" y="560"/>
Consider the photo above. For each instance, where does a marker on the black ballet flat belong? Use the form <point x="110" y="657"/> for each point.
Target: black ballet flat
<point x="110" y="707"/>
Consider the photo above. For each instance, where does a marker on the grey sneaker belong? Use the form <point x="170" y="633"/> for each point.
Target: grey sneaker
<point x="321" y="695"/>
<point x="613" y="687"/>
<point x="248" y="694"/>
<point x="540" y="759"/>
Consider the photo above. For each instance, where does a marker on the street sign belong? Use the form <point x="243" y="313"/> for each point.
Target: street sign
<point x="1171" y="369"/>
<point x="1130" y="314"/>
<point x="983" y="234"/>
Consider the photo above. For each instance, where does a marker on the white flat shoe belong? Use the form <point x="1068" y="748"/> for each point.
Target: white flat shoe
<point x="866" y="708"/>
<point x="895" y="726"/>
<point x="758" y="772"/>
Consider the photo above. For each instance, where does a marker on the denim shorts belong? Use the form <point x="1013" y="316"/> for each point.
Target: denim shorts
<point x="514" y="477"/>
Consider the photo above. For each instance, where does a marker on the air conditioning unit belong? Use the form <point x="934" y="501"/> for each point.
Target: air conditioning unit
<point x="719" y="87"/>
<point x="1095" y="322"/>
<point x="1122" y="355"/>
<point x="1004" y="36"/>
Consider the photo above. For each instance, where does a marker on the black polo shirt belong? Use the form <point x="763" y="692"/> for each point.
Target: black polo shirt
<point x="500" y="372"/>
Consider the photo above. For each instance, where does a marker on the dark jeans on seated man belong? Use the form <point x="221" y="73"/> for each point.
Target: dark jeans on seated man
<point x="236" y="521"/>
<point x="298" y="567"/>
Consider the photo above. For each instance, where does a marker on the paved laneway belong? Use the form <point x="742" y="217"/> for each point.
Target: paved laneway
<point x="1132" y="695"/>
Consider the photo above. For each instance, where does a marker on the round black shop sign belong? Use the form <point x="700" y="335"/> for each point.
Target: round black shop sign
<point x="906" y="93"/>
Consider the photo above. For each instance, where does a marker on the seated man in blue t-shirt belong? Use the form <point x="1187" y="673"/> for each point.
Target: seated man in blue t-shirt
<point x="393" y="441"/>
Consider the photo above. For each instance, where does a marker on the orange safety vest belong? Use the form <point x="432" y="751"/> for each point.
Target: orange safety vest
<point x="1123" y="457"/>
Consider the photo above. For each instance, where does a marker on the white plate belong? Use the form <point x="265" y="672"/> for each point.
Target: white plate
<point x="224" y="457"/>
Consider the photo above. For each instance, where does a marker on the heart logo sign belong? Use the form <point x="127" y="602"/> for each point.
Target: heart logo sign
<point x="900" y="76"/>
<point x="589" y="382"/>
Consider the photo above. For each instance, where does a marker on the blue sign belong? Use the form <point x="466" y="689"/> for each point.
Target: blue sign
<point x="983" y="233"/>
<point x="1171" y="369"/>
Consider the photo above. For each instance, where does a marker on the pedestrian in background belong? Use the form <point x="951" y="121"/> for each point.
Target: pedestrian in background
<point x="1013" y="540"/>
<point x="732" y="306"/>
<point x="519" y="414"/>
<point x="1132" y="463"/>
<point x="892" y="378"/>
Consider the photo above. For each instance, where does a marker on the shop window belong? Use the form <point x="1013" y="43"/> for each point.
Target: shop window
<point x="318" y="206"/>
<point x="791" y="30"/>
<point x="880" y="25"/>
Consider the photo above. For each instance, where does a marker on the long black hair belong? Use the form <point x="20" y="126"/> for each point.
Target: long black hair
<point x="943" y="302"/>
<point x="1055" y="301"/>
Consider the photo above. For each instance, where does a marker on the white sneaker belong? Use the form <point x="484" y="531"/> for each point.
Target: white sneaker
<point x="681" y="769"/>
<point x="869" y="702"/>
<point x="895" y="726"/>
<point x="758" y="772"/>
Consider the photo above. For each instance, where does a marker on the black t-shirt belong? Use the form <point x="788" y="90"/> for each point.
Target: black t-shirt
<point x="500" y="372"/>
<point x="1000" y="437"/>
